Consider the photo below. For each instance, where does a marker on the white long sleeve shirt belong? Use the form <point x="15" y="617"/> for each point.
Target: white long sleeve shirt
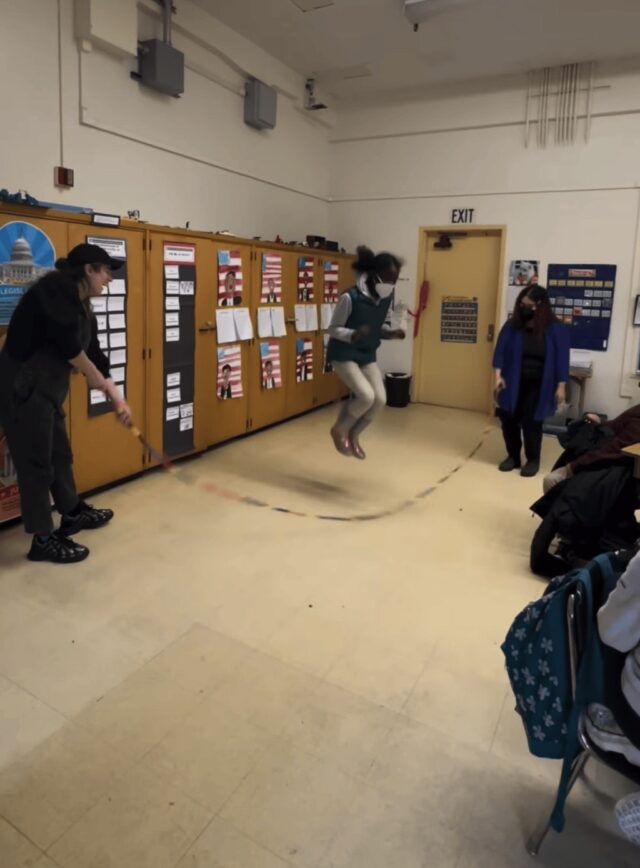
<point x="619" y="627"/>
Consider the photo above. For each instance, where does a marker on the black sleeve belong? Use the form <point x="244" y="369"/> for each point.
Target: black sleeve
<point x="60" y="314"/>
<point x="94" y="350"/>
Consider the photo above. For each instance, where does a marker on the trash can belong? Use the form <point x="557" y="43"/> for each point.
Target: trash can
<point x="398" y="388"/>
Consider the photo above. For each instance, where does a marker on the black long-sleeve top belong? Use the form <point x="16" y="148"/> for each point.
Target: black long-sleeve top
<point x="50" y="317"/>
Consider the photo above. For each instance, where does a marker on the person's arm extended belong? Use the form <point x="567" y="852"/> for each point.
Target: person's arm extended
<point x="85" y="366"/>
<point x="337" y="329"/>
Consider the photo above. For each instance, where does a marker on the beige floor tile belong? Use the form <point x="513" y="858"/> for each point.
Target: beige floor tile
<point x="459" y="702"/>
<point x="141" y="821"/>
<point x="421" y="599"/>
<point x="45" y="862"/>
<point x="292" y="804"/>
<point x="15" y="850"/>
<point x="569" y="850"/>
<point x="416" y="766"/>
<point x="267" y="692"/>
<point x="65" y="664"/>
<point x="382" y="832"/>
<point x="249" y="617"/>
<point x="342" y="728"/>
<point x="209" y="753"/>
<point x="199" y="659"/>
<point x="44" y="793"/>
<point x="24" y="723"/>
<point x="137" y="714"/>
<point x="312" y="641"/>
<point x="222" y="846"/>
<point x="379" y="671"/>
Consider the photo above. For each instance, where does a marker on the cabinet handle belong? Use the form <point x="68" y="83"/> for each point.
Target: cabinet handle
<point x="290" y="321"/>
<point x="207" y="327"/>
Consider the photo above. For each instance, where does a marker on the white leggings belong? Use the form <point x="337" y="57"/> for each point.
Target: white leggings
<point x="368" y="396"/>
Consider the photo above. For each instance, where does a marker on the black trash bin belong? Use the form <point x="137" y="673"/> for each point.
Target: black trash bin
<point x="398" y="388"/>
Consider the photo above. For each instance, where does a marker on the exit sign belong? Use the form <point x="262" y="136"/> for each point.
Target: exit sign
<point x="462" y="215"/>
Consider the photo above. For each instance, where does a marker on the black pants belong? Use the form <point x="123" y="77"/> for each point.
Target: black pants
<point x="40" y="450"/>
<point x="522" y="423"/>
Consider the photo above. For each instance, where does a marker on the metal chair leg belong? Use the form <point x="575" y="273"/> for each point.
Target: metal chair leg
<point x="537" y="838"/>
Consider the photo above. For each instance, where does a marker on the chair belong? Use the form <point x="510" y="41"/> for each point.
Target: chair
<point x="575" y="632"/>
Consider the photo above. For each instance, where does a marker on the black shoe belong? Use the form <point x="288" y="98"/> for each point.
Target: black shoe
<point x="508" y="464"/>
<point x="87" y="518"/>
<point x="530" y="468"/>
<point x="57" y="549"/>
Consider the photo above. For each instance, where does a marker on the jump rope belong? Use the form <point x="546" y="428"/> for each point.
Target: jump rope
<point x="211" y="488"/>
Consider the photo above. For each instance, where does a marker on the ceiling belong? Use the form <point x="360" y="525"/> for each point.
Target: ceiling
<point x="367" y="48"/>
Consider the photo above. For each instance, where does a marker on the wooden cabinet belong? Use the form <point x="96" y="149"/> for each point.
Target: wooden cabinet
<point x="103" y="450"/>
<point x="225" y="417"/>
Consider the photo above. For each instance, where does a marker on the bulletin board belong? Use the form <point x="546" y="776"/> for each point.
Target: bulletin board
<point x="179" y="346"/>
<point x="582" y="297"/>
<point x="110" y="310"/>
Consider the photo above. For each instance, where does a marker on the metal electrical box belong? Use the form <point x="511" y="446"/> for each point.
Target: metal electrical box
<point x="161" y="66"/>
<point x="260" y="105"/>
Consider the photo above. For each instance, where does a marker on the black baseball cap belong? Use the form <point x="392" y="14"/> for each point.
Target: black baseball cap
<point x="92" y="254"/>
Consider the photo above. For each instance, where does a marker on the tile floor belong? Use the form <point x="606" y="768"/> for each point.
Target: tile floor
<point x="223" y="686"/>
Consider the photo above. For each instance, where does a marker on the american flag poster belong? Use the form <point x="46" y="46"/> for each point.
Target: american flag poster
<point x="271" y="375"/>
<point x="271" y="279"/>
<point x="304" y="360"/>
<point x="229" y="372"/>
<point x="330" y="282"/>
<point x="326" y="366"/>
<point x="229" y="278"/>
<point x="305" y="278"/>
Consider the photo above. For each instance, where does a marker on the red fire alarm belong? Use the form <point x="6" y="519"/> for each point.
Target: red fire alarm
<point x="63" y="177"/>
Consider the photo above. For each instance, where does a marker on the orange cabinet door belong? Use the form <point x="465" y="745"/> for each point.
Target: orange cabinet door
<point x="103" y="450"/>
<point x="225" y="367"/>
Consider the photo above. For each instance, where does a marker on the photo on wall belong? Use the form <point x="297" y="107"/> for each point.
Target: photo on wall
<point x="229" y="372"/>
<point x="305" y="278"/>
<point x="229" y="278"/>
<point x="271" y="290"/>
<point x="270" y="371"/>
<point x="304" y="360"/>
<point x="330" y="294"/>
<point x="522" y="272"/>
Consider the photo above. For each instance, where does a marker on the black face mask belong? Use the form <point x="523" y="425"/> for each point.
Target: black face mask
<point x="527" y="313"/>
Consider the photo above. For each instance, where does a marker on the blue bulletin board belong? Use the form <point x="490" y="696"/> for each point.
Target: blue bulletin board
<point x="582" y="297"/>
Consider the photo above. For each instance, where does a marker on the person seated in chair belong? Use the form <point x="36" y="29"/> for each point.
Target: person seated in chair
<point x="617" y="729"/>
<point x="625" y="430"/>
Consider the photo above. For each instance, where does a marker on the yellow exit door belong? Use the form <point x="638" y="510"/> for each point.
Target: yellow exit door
<point x="454" y="347"/>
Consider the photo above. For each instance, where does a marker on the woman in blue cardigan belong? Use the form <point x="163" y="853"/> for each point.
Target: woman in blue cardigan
<point x="531" y="363"/>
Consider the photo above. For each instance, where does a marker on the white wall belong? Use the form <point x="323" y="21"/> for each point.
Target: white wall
<point x="176" y="160"/>
<point x="387" y="169"/>
<point x="401" y="166"/>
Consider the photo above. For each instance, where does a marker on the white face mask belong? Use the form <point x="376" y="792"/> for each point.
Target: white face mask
<point x="384" y="290"/>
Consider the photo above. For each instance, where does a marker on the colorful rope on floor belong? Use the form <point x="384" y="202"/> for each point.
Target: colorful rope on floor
<point x="184" y="475"/>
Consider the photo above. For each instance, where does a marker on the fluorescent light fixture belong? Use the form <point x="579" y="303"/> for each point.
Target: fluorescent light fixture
<point x="312" y="5"/>
<point x="418" y="11"/>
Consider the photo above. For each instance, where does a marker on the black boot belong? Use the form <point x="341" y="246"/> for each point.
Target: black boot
<point x="530" y="468"/>
<point x="509" y="464"/>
